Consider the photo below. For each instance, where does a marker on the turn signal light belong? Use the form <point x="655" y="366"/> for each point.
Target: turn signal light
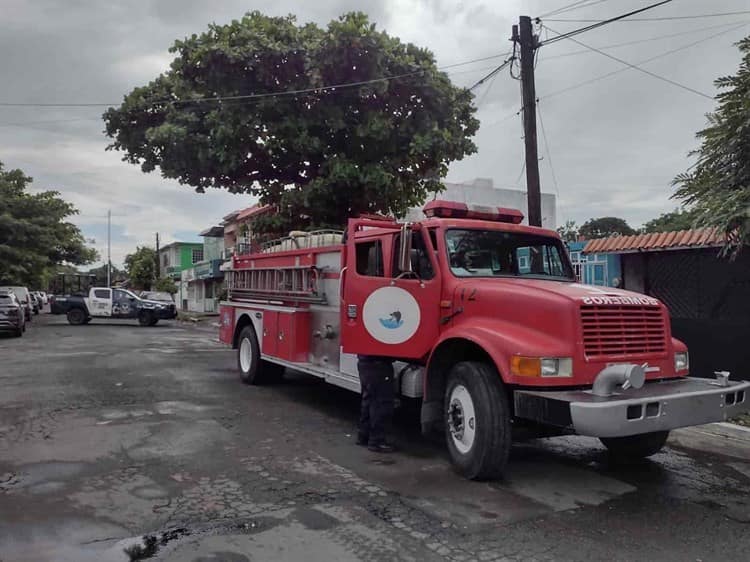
<point x="526" y="366"/>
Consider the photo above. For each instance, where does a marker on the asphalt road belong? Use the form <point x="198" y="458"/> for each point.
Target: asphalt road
<point x="111" y="431"/>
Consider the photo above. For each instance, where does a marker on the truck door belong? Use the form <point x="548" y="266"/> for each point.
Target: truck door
<point x="100" y="302"/>
<point x="387" y="311"/>
<point x="123" y="304"/>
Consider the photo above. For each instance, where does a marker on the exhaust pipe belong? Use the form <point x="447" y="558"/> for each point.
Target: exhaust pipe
<point x="626" y="375"/>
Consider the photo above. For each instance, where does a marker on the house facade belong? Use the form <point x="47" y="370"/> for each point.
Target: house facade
<point x="603" y="269"/>
<point x="201" y="284"/>
<point x="177" y="256"/>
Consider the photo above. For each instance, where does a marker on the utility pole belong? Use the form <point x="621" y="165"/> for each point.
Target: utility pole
<point x="523" y="34"/>
<point x="109" y="248"/>
<point x="158" y="263"/>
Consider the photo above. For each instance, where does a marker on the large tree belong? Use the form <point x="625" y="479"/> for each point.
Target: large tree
<point x="718" y="186"/>
<point x="140" y="267"/>
<point x="679" y="219"/>
<point x="605" y="226"/>
<point x="35" y="236"/>
<point x="379" y="142"/>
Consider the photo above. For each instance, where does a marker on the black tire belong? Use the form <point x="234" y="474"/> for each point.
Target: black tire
<point x="18" y="333"/>
<point x="76" y="316"/>
<point x="252" y="369"/>
<point x="485" y="455"/>
<point x="88" y="319"/>
<point x="145" y="317"/>
<point x="634" y="447"/>
<point x="154" y="322"/>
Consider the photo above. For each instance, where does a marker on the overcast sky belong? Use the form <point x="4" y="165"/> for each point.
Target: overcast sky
<point x="615" y="143"/>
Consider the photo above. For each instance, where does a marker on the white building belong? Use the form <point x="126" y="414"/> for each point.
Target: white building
<point x="481" y="191"/>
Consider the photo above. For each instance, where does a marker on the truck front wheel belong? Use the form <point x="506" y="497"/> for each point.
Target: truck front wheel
<point x="76" y="316"/>
<point x="145" y="318"/>
<point x="634" y="447"/>
<point x="252" y="369"/>
<point x="477" y="421"/>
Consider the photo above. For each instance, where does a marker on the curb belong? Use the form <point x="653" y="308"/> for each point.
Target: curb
<point x="721" y="438"/>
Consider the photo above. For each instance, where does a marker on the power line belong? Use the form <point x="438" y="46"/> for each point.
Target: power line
<point x="266" y="94"/>
<point x="644" y="61"/>
<point x="665" y="18"/>
<point x="604" y="22"/>
<point x="570" y="7"/>
<point x="645" y="40"/>
<point x="546" y="149"/>
<point x="505" y="63"/>
<point x="635" y="67"/>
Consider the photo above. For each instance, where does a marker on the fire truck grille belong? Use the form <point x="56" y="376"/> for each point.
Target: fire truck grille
<point x="612" y="329"/>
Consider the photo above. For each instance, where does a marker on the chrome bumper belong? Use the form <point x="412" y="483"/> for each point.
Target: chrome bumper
<point x="657" y="406"/>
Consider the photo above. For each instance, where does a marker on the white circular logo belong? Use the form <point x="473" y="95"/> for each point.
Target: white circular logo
<point x="391" y="315"/>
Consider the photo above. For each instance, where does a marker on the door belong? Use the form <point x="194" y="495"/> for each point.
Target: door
<point x="100" y="302"/>
<point x="386" y="311"/>
<point x="123" y="304"/>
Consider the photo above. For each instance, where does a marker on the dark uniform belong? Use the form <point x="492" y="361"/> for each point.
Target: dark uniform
<point x="376" y="380"/>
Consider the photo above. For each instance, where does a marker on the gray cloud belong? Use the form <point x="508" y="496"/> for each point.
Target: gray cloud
<point x="615" y="144"/>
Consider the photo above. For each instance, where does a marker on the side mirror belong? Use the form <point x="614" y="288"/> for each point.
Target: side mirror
<point x="404" y="249"/>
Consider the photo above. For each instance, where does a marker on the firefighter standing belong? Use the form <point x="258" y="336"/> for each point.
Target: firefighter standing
<point x="376" y="380"/>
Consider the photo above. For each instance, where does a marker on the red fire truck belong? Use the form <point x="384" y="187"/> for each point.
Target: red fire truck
<point x="488" y="327"/>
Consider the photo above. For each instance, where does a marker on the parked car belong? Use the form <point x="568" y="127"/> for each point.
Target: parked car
<point x="24" y="297"/>
<point x="12" y="317"/>
<point x="157" y="296"/>
<point x="36" y="303"/>
<point x="45" y="298"/>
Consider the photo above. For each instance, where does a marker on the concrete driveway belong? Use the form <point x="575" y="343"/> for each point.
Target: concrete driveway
<point x="118" y="438"/>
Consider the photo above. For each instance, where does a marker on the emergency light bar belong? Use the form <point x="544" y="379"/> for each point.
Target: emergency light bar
<point x="455" y="210"/>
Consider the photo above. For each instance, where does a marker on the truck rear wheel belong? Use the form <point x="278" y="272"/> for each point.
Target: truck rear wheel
<point x="253" y="370"/>
<point x="76" y="316"/>
<point x="635" y="447"/>
<point x="145" y="318"/>
<point x="477" y="421"/>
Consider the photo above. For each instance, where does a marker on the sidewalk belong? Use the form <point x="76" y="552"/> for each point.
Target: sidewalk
<point x="727" y="439"/>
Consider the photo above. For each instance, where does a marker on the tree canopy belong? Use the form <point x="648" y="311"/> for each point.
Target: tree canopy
<point x="679" y="219"/>
<point x="35" y="237"/>
<point x="378" y="142"/>
<point x="718" y="186"/>
<point x="141" y="268"/>
<point x="166" y="285"/>
<point x="569" y="231"/>
<point x="605" y="226"/>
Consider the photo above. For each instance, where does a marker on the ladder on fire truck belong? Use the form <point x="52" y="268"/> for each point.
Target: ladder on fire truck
<point x="294" y="282"/>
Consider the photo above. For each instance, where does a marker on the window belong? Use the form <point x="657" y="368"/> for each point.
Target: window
<point x="165" y="260"/>
<point x="370" y="258"/>
<point x="494" y="253"/>
<point x="420" y="259"/>
<point x="197" y="255"/>
<point x="101" y="293"/>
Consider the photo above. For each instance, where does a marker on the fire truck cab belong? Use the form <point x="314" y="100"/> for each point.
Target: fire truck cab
<point x="488" y="327"/>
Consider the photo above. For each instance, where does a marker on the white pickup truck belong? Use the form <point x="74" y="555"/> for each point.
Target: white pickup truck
<point x="103" y="302"/>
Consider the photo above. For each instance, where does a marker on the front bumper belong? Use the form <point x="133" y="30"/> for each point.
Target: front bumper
<point x="7" y="325"/>
<point x="657" y="406"/>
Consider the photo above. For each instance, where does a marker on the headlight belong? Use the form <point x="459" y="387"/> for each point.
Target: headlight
<point x="541" y="366"/>
<point x="681" y="361"/>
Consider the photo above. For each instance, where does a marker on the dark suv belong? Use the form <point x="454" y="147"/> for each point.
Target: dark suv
<point x="12" y="317"/>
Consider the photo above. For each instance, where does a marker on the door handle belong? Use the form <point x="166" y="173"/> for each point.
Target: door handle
<point x="341" y="284"/>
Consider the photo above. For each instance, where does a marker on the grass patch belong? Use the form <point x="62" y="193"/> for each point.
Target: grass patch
<point x="744" y="419"/>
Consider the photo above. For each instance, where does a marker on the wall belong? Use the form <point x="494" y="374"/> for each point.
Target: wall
<point x="707" y="297"/>
<point x="186" y="253"/>
<point x="213" y="246"/>
<point x="481" y="191"/>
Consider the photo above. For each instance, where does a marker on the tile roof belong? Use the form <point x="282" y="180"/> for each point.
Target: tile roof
<point x="656" y="241"/>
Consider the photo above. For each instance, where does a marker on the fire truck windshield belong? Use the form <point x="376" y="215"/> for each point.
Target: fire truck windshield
<point x="493" y="253"/>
